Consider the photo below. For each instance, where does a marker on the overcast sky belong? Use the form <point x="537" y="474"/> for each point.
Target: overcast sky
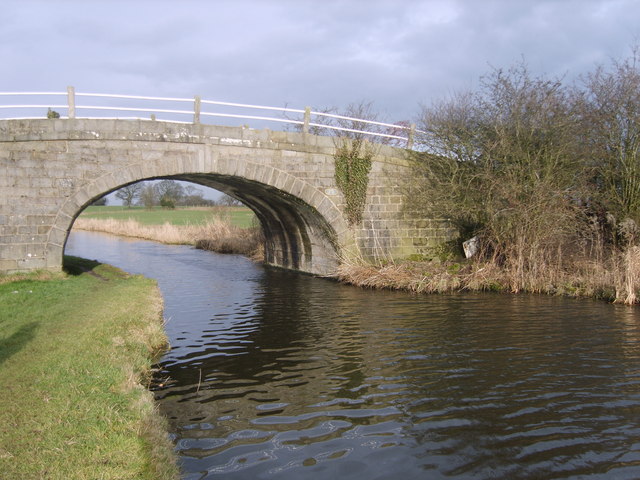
<point x="396" y="53"/>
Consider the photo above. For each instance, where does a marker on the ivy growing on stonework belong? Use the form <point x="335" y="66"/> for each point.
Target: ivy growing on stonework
<point x="352" y="167"/>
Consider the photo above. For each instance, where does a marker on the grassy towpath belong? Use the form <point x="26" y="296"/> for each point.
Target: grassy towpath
<point x="75" y="351"/>
<point x="236" y="216"/>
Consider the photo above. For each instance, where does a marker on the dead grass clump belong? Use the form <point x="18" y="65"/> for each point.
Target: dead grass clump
<point x="245" y="242"/>
<point x="393" y="277"/>
<point x="421" y="277"/>
<point x="629" y="276"/>
<point x="614" y="278"/>
<point x="222" y="237"/>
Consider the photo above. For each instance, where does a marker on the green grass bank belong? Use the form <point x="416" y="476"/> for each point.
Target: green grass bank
<point x="237" y="216"/>
<point x="75" y="356"/>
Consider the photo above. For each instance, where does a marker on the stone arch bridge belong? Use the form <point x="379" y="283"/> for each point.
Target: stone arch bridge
<point x="51" y="169"/>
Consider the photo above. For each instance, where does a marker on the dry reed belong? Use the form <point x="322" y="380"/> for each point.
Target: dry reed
<point x="629" y="278"/>
<point x="422" y="277"/>
<point x="216" y="235"/>
<point x="615" y="279"/>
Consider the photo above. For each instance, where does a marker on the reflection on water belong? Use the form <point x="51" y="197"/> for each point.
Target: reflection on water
<point x="279" y="375"/>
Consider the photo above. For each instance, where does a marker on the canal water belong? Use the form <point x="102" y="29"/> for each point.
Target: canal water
<point x="277" y="375"/>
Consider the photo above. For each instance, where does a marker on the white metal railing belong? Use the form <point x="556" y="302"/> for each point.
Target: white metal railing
<point x="304" y="119"/>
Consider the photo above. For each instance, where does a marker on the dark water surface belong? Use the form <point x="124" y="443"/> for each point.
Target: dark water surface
<point x="276" y="375"/>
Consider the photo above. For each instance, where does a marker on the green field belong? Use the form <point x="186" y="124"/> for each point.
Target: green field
<point x="238" y="216"/>
<point x="72" y="351"/>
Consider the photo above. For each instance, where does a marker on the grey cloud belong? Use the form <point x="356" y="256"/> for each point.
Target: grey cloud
<point x="329" y="53"/>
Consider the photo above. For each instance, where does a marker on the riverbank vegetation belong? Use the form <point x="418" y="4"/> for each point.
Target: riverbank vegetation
<point x="542" y="175"/>
<point x="75" y="357"/>
<point x="219" y="229"/>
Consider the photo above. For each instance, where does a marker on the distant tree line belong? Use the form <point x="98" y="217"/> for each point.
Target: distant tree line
<point x="167" y="194"/>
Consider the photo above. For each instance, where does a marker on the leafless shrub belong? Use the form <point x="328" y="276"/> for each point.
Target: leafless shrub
<point x="500" y="162"/>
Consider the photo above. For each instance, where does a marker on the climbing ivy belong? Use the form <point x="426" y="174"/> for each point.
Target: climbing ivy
<point x="352" y="167"/>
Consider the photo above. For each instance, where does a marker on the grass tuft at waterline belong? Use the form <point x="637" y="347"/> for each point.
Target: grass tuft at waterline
<point x="75" y="353"/>
<point x="615" y="278"/>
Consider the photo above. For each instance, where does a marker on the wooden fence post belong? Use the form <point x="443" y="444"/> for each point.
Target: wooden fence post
<point x="71" y="102"/>
<point x="307" y="119"/>
<point x="197" y="101"/>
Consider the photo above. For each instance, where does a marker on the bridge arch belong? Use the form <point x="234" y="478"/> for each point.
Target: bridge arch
<point x="301" y="226"/>
<point x="50" y="170"/>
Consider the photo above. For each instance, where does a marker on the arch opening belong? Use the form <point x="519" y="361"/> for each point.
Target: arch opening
<point x="296" y="235"/>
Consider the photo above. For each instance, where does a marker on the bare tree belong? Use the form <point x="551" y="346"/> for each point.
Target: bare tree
<point x="148" y="195"/>
<point x="169" y="192"/>
<point x="129" y="193"/>
<point x="228" y="201"/>
<point x="611" y="134"/>
<point x="193" y="197"/>
<point x="355" y="125"/>
<point x="170" y="189"/>
<point x="502" y="162"/>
